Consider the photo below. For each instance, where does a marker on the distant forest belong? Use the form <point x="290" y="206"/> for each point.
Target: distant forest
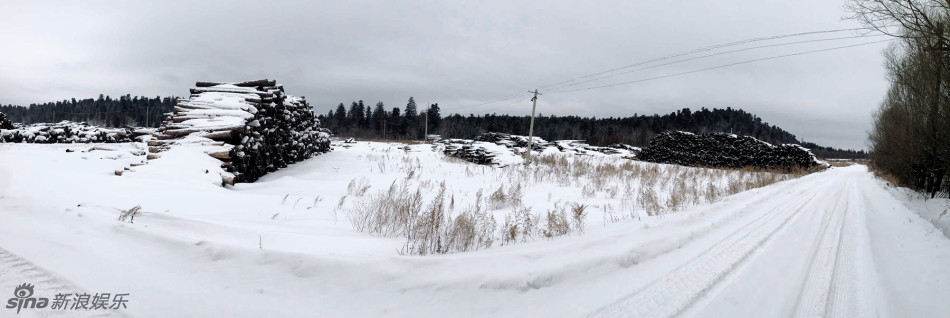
<point x="408" y="123"/>
<point x="103" y="111"/>
<point x="360" y="120"/>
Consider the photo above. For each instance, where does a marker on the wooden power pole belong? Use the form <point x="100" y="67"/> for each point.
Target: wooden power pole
<point x="425" y="134"/>
<point x="531" y="128"/>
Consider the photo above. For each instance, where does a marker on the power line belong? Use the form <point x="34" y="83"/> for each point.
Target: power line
<point x="500" y="99"/>
<point x="710" y="48"/>
<point x="667" y="57"/>
<point x="712" y="55"/>
<point x="508" y="104"/>
<point x="722" y="66"/>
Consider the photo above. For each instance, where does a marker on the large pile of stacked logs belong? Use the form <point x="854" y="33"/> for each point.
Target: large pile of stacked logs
<point x="69" y="132"/>
<point x="724" y="150"/>
<point x="258" y="128"/>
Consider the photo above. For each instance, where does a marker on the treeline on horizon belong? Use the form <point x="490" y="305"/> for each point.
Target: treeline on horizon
<point x="409" y="122"/>
<point x="138" y="111"/>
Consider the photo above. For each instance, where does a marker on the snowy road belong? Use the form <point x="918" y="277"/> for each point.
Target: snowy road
<point x="834" y="244"/>
<point x="838" y="246"/>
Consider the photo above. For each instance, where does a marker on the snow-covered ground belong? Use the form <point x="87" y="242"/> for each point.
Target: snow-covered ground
<point x="935" y="210"/>
<point x="834" y="243"/>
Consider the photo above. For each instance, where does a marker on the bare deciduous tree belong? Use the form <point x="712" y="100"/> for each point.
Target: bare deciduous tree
<point x="911" y="135"/>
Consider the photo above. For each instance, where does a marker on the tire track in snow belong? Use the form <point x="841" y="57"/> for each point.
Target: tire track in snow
<point x="15" y="270"/>
<point x="682" y="287"/>
<point x="841" y="302"/>
<point x="831" y="265"/>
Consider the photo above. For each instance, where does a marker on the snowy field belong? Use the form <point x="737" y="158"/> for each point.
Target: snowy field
<point x="571" y="236"/>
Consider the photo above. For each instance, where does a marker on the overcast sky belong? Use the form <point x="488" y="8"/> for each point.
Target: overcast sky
<point x="458" y="53"/>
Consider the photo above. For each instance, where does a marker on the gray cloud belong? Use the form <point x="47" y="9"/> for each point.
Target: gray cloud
<point x="456" y="53"/>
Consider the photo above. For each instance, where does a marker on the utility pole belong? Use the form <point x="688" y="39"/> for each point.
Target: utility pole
<point x="531" y="128"/>
<point x="146" y="117"/>
<point x="425" y="134"/>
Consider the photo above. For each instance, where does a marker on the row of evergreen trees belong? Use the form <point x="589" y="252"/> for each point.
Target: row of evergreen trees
<point x="408" y="124"/>
<point x="363" y="121"/>
<point x="103" y="111"/>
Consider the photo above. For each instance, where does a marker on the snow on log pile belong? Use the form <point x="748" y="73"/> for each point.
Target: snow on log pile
<point x="513" y="141"/>
<point x="70" y="132"/>
<point x="253" y="127"/>
<point x="502" y="149"/>
<point x="726" y="151"/>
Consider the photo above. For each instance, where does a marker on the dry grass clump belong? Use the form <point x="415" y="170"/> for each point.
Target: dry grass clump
<point x="387" y="213"/>
<point x="887" y="177"/>
<point x="358" y="187"/>
<point x="428" y="228"/>
<point x="557" y="223"/>
<point x="519" y="226"/>
<point x="578" y="216"/>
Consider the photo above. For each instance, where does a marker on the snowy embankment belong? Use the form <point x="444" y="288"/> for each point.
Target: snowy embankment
<point x="835" y="242"/>
<point x="935" y="210"/>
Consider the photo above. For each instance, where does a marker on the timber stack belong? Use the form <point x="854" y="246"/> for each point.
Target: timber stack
<point x="253" y="127"/>
<point x="722" y="150"/>
<point x="465" y="150"/>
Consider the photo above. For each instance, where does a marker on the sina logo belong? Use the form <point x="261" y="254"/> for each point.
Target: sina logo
<point x="23" y="299"/>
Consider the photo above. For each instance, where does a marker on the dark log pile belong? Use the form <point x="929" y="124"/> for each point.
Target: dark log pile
<point x="725" y="151"/>
<point x="466" y="150"/>
<point x="4" y="122"/>
<point x="261" y="128"/>
<point x="70" y="132"/>
<point x="510" y="141"/>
